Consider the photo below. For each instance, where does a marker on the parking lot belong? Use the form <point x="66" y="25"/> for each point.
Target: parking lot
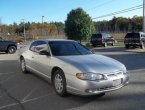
<point x="20" y="91"/>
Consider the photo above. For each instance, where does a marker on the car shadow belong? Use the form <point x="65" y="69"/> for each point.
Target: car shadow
<point x="117" y="49"/>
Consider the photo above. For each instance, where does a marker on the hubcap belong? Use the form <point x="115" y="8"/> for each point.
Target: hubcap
<point x="58" y="83"/>
<point x="11" y="50"/>
<point x="23" y="65"/>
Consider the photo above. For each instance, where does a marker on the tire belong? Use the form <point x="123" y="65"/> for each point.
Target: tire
<point x="127" y="46"/>
<point x="59" y="83"/>
<point x="100" y="95"/>
<point x="105" y="44"/>
<point x="94" y="45"/>
<point x="142" y="45"/>
<point x="113" y="43"/>
<point x="23" y="65"/>
<point x="11" y="50"/>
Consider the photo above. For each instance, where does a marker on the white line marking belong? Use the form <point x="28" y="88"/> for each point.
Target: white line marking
<point x="13" y="104"/>
<point x="9" y="105"/>
<point x="6" y="73"/>
<point x="8" y="79"/>
<point x="35" y="98"/>
<point x="29" y="94"/>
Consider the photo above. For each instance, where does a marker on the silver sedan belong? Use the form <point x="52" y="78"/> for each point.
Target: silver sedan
<point x="72" y="68"/>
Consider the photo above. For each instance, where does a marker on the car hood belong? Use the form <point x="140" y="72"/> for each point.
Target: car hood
<point x="93" y="63"/>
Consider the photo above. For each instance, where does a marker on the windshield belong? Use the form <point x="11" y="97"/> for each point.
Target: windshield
<point x="132" y="35"/>
<point x="67" y="48"/>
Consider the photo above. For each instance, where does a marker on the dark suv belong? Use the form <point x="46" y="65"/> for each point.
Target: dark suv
<point x="102" y="39"/>
<point x="8" y="46"/>
<point x="135" y="39"/>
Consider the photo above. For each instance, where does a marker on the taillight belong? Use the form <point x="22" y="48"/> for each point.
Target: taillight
<point x="103" y="40"/>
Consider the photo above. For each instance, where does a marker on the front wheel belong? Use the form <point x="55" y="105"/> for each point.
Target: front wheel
<point x="100" y="95"/>
<point x="11" y="50"/>
<point x="142" y="45"/>
<point x="59" y="83"/>
<point x="105" y="44"/>
<point x="23" y="65"/>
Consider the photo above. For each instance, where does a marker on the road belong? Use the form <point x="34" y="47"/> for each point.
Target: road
<point x="20" y="91"/>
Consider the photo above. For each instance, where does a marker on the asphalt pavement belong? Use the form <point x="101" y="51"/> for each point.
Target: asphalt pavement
<point x="20" y="91"/>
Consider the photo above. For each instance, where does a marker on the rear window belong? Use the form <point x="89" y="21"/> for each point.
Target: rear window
<point x="96" y="36"/>
<point x="132" y="35"/>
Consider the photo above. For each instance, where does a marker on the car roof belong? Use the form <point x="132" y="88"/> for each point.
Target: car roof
<point x="136" y="32"/>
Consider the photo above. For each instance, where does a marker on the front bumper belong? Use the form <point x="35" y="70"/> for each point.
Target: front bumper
<point x="93" y="87"/>
<point x="106" y="89"/>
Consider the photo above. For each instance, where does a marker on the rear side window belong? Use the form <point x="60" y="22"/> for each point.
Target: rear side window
<point x="132" y="35"/>
<point x="41" y="46"/>
<point x="38" y="46"/>
<point x="33" y="45"/>
<point x="143" y="35"/>
<point x="105" y="35"/>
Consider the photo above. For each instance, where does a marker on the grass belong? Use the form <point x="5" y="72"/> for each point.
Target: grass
<point x="119" y="43"/>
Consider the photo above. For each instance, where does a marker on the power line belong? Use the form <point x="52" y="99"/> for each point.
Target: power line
<point x="121" y="11"/>
<point x="100" y="5"/>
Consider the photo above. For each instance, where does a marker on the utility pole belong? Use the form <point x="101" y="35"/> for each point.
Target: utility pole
<point x="143" y="15"/>
<point x="0" y="27"/>
<point x="0" y="21"/>
<point x="42" y="26"/>
<point x="24" y="31"/>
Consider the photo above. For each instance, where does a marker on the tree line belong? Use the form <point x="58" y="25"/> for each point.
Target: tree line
<point x="32" y="30"/>
<point x="120" y="25"/>
<point x="77" y="26"/>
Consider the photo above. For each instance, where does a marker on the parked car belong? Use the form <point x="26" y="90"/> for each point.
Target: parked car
<point x="72" y="68"/>
<point x="102" y="39"/>
<point x="8" y="46"/>
<point x="135" y="39"/>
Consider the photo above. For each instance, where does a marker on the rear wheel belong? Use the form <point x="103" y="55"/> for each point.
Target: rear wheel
<point x="59" y="82"/>
<point x="11" y="50"/>
<point x="126" y="46"/>
<point x="142" y="45"/>
<point x="100" y="95"/>
<point x="113" y="43"/>
<point x="23" y="65"/>
<point x="94" y="45"/>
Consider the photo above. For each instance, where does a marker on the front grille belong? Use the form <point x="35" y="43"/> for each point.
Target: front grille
<point x="115" y="74"/>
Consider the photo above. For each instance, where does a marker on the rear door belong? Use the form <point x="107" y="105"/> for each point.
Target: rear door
<point x="3" y="45"/>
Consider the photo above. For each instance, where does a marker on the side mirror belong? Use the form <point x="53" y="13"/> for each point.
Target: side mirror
<point x="44" y="52"/>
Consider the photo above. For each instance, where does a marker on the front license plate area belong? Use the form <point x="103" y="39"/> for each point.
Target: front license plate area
<point x="117" y="82"/>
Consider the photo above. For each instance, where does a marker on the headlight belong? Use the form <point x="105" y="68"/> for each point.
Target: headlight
<point x="90" y="76"/>
<point x="124" y="70"/>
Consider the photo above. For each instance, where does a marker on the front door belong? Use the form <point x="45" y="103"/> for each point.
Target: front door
<point x="41" y="62"/>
